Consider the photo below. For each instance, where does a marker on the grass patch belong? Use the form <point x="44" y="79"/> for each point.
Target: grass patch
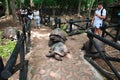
<point x="6" y="47"/>
<point x="1" y="33"/>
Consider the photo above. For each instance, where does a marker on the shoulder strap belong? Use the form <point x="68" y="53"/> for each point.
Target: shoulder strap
<point x="102" y="11"/>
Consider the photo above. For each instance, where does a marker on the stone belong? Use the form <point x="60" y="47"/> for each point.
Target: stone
<point x="36" y="77"/>
<point x="90" y="48"/>
<point x="9" y="33"/>
<point x="53" y="74"/>
<point x="63" y="20"/>
<point x="69" y="56"/>
<point x="42" y="71"/>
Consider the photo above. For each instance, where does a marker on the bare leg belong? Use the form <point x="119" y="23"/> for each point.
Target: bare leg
<point x="97" y="31"/>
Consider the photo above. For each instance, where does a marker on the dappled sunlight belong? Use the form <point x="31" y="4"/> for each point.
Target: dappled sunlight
<point x="40" y="35"/>
<point x="42" y="29"/>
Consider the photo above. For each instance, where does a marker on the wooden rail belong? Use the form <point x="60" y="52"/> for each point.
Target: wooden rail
<point x="104" y="56"/>
<point x="22" y="47"/>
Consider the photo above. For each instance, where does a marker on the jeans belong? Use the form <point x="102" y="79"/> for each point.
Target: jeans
<point x="37" y="21"/>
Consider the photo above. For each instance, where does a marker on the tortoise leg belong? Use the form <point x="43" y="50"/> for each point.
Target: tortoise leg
<point x="50" y="55"/>
<point x="58" y="57"/>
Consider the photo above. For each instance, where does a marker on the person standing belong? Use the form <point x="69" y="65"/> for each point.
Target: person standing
<point x="30" y="13"/>
<point x="36" y="18"/>
<point x="99" y="16"/>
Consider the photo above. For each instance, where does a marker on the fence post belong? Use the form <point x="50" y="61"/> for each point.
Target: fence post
<point x="103" y="56"/>
<point x="24" y="30"/>
<point x="87" y="23"/>
<point x="55" y="22"/>
<point x="48" y="20"/>
<point x="117" y="35"/>
<point x="28" y="36"/>
<point x="1" y="68"/>
<point x="22" y="62"/>
<point x="28" y="41"/>
<point x="18" y="35"/>
<point x="59" y="22"/>
<point x="113" y="44"/>
<point x="71" y="23"/>
<point x="8" y="70"/>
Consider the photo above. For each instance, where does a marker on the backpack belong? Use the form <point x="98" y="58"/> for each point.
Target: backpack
<point x="101" y="15"/>
<point x="104" y="20"/>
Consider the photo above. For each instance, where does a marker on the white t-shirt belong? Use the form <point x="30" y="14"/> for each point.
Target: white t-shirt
<point x="98" y="21"/>
<point x="23" y="11"/>
<point x="36" y="14"/>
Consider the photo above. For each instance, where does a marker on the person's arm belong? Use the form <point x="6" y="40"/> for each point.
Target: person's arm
<point x="103" y="14"/>
<point x="93" y="19"/>
<point x="102" y="17"/>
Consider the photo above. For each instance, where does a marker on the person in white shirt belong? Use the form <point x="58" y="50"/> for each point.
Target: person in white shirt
<point x="23" y="13"/>
<point x="37" y="18"/>
<point x="29" y="13"/>
<point x="98" y="18"/>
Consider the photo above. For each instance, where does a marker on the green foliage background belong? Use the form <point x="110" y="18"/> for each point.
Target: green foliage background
<point x="61" y="3"/>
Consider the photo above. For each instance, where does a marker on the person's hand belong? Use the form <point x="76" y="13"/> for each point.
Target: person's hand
<point x="91" y="21"/>
<point x="97" y="15"/>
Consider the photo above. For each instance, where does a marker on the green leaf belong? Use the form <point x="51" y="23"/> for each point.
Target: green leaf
<point x="6" y="50"/>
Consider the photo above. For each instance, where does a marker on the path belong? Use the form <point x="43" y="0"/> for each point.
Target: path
<point x="73" y="66"/>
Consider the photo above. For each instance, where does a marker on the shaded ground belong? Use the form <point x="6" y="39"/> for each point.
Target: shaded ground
<point x="5" y="22"/>
<point x="113" y="53"/>
<point x="73" y="66"/>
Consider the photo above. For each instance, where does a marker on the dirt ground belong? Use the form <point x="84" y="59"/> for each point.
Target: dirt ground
<point x="73" y="67"/>
<point x="74" y="42"/>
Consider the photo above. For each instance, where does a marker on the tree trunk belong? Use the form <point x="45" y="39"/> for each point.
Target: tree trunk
<point x="91" y="5"/>
<point x="54" y="11"/>
<point x="54" y="7"/>
<point x="79" y="5"/>
<point x="41" y="7"/>
<point x="12" y="3"/>
<point x="7" y="8"/>
<point x="105" y="3"/>
<point x="20" y="4"/>
<point x="32" y="3"/>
